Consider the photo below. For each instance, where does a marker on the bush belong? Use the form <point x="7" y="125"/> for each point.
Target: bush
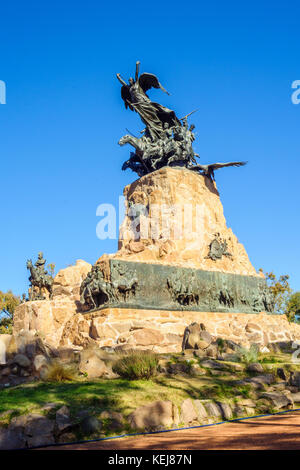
<point x="136" y="365"/>
<point x="248" y="355"/>
<point x="58" y="372"/>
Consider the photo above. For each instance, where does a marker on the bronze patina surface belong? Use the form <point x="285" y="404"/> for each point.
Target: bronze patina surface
<point x="155" y="286"/>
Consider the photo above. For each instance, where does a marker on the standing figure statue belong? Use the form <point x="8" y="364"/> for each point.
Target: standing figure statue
<point x="39" y="278"/>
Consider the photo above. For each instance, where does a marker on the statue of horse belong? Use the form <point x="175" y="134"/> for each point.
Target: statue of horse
<point x="39" y="280"/>
<point x="134" y="141"/>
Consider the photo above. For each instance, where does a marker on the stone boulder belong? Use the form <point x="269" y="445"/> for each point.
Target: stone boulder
<point x="196" y="337"/>
<point x="255" y="367"/>
<point x="67" y="282"/>
<point x="145" y="337"/>
<point x="63" y="420"/>
<point x="30" y="430"/>
<point x="294" y="379"/>
<point x="22" y="361"/>
<point x="188" y="412"/>
<point x="93" y="365"/>
<point x="153" y="415"/>
<point x="4" y="344"/>
<point x="90" y="425"/>
<point x="279" y="400"/>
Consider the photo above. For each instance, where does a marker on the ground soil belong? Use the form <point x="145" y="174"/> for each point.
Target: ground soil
<point x="265" y="433"/>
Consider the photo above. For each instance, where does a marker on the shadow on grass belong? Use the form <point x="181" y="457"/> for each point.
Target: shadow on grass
<point x="75" y="395"/>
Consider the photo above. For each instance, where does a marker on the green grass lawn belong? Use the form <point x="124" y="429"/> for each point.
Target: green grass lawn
<point x="123" y="395"/>
<point x="118" y="395"/>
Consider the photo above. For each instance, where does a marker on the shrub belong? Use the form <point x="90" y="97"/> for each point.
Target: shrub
<point x="58" y="372"/>
<point x="136" y="365"/>
<point x="248" y="355"/>
<point x="221" y="345"/>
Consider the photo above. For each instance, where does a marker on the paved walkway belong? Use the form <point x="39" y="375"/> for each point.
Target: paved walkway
<point x="265" y="433"/>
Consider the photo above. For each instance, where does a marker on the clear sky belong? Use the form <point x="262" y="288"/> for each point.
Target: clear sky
<point x="235" y="61"/>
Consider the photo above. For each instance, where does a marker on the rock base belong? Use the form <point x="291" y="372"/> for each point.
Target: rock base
<point x="162" y="331"/>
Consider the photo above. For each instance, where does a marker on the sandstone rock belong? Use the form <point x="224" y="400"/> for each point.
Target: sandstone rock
<point x="225" y="410"/>
<point x="37" y="425"/>
<point x="213" y="409"/>
<point x="5" y="372"/>
<point x="92" y="365"/>
<point x="247" y="402"/>
<point x="239" y="410"/>
<point x="278" y="399"/>
<point x="178" y="368"/>
<point x="158" y="413"/>
<point x="115" y="419"/>
<point x="279" y="386"/>
<point x="21" y="360"/>
<point x="197" y="370"/>
<point x="266" y="379"/>
<point x="49" y="406"/>
<point x="252" y="328"/>
<point x="212" y="350"/>
<point x="294" y="379"/>
<point x="188" y="412"/>
<point x="200" y="409"/>
<point x="281" y="373"/>
<point x="71" y="277"/>
<point x="29" y="430"/>
<point x="11" y="439"/>
<point x="5" y="341"/>
<point x="213" y="365"/>
<point x="255" y="367"/>
<point x="236" y="367"/>
<point x="180" y="187"/>
<point x="90" y="425"/>
<point x="63" y="419"/>
<point x="145" y="337"/>
<point x="295" y="397"/>
<point x="39" y="362"/>
<point x="196" y="337"/>
<point x="41" y="316"/>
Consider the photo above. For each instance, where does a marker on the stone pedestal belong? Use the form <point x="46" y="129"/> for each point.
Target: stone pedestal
<point x="185" y="214"/>
<point x="170" y="270"/>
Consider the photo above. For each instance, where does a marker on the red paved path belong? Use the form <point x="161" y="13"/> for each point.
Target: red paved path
<point x="271" y="432"/>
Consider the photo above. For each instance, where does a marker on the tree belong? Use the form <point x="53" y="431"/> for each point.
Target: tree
<point x="51" y="268"/>
<point x="293" y="306"/>
<point x="8" y="303"/>
<point x="280" y="289"/>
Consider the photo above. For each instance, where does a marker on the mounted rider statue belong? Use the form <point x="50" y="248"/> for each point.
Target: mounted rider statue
<point x="39" y="279"/>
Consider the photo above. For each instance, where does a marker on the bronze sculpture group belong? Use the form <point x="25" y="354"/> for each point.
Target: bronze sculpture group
<point x="166" y="140"/>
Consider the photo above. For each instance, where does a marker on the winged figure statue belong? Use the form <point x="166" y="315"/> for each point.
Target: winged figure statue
<point x="166" y="140"/>
<point x="154" y="115"/>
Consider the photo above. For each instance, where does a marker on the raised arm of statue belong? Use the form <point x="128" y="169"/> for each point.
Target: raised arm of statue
<point x="137" y="70"/>
<point x="121" y="79"/>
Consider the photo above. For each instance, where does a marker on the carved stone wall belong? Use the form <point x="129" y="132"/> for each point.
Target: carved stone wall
<point x="162" y="331"/>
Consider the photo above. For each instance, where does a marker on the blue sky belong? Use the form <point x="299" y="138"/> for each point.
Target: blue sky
<point x="235" y="61"/>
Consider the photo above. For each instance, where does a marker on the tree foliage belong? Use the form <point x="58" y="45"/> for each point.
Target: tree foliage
<point x="8" y="303"/>
<point x="280" y="289"/>
<point x="293" y="306"/>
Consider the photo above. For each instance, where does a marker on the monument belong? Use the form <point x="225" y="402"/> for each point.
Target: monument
<point x="166" y="163"/>
<point x="177" y="261"/>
